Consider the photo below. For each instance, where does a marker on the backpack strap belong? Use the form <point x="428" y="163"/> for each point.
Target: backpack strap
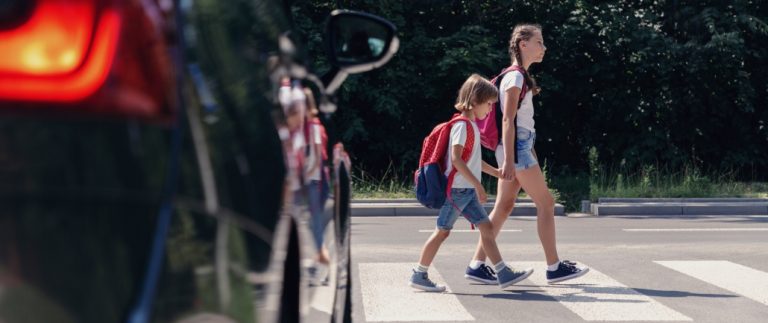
<point x="523" y="91"/>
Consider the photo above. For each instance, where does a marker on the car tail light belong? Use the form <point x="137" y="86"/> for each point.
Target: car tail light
<point x="84" y="56"/>
<point x="63" y="52"/>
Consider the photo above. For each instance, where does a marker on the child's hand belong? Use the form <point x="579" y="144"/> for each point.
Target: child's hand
<point x="481" y="195"/>
<point x="496" y="172"/>
<point x="508" y="172"/>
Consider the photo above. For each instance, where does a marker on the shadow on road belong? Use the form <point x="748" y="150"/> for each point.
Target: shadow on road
<point x="587" y="293"/>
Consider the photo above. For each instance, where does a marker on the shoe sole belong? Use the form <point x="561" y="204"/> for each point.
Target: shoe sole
<point x="572" y="276"/>
<point x="426" y="289"/>
<point x="480" y="280"/>
<point x="517" y="280"/>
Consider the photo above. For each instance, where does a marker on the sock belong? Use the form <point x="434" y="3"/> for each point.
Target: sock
<point x="421" y="268"/>
<point x="554" y="266"/>
<point x="499" y="266"/>
<point x="476" y="264"/>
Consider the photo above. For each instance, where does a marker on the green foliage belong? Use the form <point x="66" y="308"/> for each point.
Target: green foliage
<point x="652" y="181"/>
<point x="661" y="82"/>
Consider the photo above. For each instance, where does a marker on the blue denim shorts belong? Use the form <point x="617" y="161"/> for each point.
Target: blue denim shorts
<point x="463" y="202"/>
<point x="524" y="141"/>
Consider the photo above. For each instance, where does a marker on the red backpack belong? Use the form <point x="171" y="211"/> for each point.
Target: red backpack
<point x="490" y="127"/>
<point x="432" y="186"/>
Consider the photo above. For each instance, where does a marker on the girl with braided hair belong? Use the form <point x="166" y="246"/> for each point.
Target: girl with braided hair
<point x="518" y="164"/>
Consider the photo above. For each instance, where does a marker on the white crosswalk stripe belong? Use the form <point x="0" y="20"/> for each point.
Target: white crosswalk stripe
<point x="597" y="297"/>
<point x="742" y="280"/>
<point x="388" y="298"/>
<point x="593" y="297"/>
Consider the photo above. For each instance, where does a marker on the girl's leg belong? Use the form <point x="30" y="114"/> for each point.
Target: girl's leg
<point x="430" y="248"/>
<point x="534" y="184"/>
<point x="488" y="241"/>
<point x="507" y="192"/>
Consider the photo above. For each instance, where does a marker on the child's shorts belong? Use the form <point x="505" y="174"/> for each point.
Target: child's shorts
<point x="524" y="141"/>
<point x="463" y="202"/>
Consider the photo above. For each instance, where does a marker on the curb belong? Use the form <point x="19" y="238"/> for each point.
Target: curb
<point x="413" y="208"/>
<point x="680" y="206"/>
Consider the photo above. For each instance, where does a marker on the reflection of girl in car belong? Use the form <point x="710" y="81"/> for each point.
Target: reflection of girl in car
<point x="293" y="107"/>
<point x="313" y="174"/>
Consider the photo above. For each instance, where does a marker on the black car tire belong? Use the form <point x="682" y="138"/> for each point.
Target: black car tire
<point x="348" y="300"/>
<point x="289" y="299"/>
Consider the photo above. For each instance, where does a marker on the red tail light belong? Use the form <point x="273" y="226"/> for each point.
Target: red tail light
<point x="62" y="53"/>
<point x="93" y="57"/>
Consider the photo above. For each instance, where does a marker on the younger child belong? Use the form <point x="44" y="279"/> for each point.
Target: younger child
<point x="474" y="102"/>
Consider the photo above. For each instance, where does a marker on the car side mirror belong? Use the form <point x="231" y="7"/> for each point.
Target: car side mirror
<point x="357" y="42"/>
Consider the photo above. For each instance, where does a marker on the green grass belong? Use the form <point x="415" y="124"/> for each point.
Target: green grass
<point x="365" y="186"/>
<point x="571" y="188"/>
<point x="688" y="182"/>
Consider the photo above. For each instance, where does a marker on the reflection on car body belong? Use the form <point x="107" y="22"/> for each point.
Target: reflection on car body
<point x="158" y="188"/>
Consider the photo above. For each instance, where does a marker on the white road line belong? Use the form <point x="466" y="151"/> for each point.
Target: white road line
<point x="705" y="216"/>
<point x="597" y="297"/>
<point x="323" y="294"/>
<point x="698" y="230"/>
<point x="464" y="230"/>
<point x="742" y="280"/>
<point x="388" y="298"/>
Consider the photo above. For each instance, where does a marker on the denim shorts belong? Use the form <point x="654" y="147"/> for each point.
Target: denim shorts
<point x="524" y="141"/>
<point x="463" y="202"/>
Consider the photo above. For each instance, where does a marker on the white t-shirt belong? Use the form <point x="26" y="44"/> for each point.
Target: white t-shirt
<point x="525" y="113"/>
<point x="297" y="143"/>
<point x="314" y="139"/>
<point x="459" y="137"/>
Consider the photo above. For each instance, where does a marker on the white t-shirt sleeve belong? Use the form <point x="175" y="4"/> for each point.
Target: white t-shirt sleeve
<point x="512" y="79"/>
<point x="458" y="133"/>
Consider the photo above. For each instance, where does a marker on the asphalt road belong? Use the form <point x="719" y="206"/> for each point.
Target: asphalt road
<point x="701" y="269"/>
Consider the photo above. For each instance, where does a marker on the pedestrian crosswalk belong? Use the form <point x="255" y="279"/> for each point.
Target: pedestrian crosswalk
<point x="388" y="298"/>
<point x="739" y="279"/>
<point x="593" y="297"/>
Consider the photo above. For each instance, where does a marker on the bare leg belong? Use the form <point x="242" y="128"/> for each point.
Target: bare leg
<point x="430" y="248"/>
<point x="505" y="202"/>
<point x="322" y="256"/>
<point x="488" y="240"/>
<point x="534" y="184"/>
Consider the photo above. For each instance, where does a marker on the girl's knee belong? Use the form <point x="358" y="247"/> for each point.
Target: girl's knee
<point x="442" y="234"/>
<point x="547" y="201"/>
<point x="485" y="227"/>
<point x="503" y="208"/>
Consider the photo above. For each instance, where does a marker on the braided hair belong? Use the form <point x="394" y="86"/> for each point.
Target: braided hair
<point x="519" y="33"/>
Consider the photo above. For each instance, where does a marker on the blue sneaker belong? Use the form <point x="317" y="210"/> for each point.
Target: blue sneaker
<point x="420" y="280"/>
<point x="483" y="274"/>
<point x="565" y="271"/>
<point x="509" y="276"/>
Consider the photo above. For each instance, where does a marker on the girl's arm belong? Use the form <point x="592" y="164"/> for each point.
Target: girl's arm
<point x="488" y="169"/>
<point x="508" y="132"/>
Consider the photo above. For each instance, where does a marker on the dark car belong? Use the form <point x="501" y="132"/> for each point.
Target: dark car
<point x="146" y="161"/>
